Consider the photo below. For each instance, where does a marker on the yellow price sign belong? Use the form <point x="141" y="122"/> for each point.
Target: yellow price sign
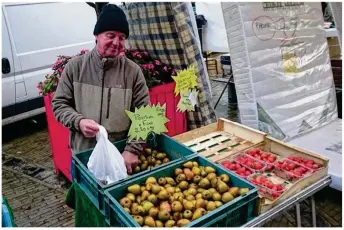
<point x="185" y="80"/>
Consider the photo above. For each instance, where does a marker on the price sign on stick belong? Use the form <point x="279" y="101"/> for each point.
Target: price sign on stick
<point x="145" y="120"/>
<point x="185" y="80"/>
<point x="187" y="101"/>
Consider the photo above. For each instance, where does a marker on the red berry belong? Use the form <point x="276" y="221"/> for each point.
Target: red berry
<point x="247" y="173"/>
<point x="258" y="165"/>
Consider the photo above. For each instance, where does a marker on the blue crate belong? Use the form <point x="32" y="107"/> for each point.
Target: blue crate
<point x="95" y="189"/>
<point x="233" y="214"/>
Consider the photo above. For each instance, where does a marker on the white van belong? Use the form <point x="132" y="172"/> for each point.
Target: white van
<point x="33" y="35"/>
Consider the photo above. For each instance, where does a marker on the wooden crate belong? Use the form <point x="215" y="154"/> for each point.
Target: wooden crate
<point x="221" y="139"/>
<point x="284" y="150"/>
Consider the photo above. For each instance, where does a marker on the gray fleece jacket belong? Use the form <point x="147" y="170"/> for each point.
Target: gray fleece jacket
<point x="100" y="89"/>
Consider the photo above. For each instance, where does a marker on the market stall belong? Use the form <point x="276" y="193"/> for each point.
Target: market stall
<point x="218" y="174"/>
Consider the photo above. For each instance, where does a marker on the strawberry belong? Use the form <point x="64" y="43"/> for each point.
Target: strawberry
<point x="279" y="187"/>
<point x="247" y="173"/>
<point x="237" y="166"/>
<point x="258" y="165"/>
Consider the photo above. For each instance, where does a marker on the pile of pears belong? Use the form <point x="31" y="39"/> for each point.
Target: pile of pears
<point x="150" y="159"/>
<point x="192" y="192"/>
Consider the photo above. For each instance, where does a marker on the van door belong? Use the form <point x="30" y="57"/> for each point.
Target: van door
<point x="8" y="74"/>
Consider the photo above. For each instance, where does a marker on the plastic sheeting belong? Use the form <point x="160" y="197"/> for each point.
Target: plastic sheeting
<point x="281" y="66"/>
<point x="168" y="31"/>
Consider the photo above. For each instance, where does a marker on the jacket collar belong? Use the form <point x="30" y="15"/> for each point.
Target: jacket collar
<point x="103" y="62"/>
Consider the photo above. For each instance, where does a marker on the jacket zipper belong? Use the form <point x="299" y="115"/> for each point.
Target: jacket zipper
<point x="101" y="102"/>
<point x="108" y="104"/>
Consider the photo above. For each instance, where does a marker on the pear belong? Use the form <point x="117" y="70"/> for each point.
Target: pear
<point x="138" y="199"/>
<point x="211" y="206"/>
<point x="155" y="189"/>
<point x="169" y="223"/>
<point x="209" y="169"/>
<point x="226" y="197"/>
<point x="163" y="195"/>
<point x="134" y="189"/>
<point x="164" y="215"/>
<point x="187" y="214"/>
<point x="197" y="179"/>
<point x="190" y="197"/>
<point x="167" y="186"/>
<point x="183" y="185"/>
<point x="127" y="210"/>
<point x="138" y="219"/>
<point x="200" y="190"/>
<point x="218" y="204"/>
<point x="134" y="204"/>
<point x="153" y="212"/>
<point x="195" y="164"/>
<point x="159" y="224"/>
<point x="214" y="182"/>
<point x="153" y="199"/>
<point x="165" y="206"/>
<point x="206" y="195"/>
<point x="160" y="156"/>
<point x="198" y="195"/>
<point x="183" y="222"/>
<point x="212" y="191"/>
<point x="177" y="206"/>
<point x="194" y="203"/>
<point x="222" y="187"/>
<point x="153" y="161"/>
<point x="177" y="216"/>
<point x="147" y="206"/>
<point x="148" y="151"/>
<point x="178" y="190"/>
<point x="149" y="221"/>
<point x="189" y="174"/>
<point x="165" y="160"/>
<point x="242" y="191"/>
<point x="198" y="213"/>
<point x="137" y="169"/>
<point x="196" y="171"/>
<point x="138" y="210"/>
<point x="125" y="202"/>
<point x="170" y="181"/>
<point x="143" y="188"/>
<point x="185" y="193"/>
<point x="203" y="173"/>
<point x="162" y="181"/>
<point x="204" y="183"/>
<point x="216" y="196"/>
<point x="225" y="178"/>
<point x="234" y="191"/>
<point x="181" y="177"/>
<point x="178" y="171"/>
<point x="200" y="203"/>
<point x="151" y="180"/>
<point x="142" y="158"/>
<point x="171" y="190"/>
<point x="158" y="162"/>
<point x="144" y="166"/>
<point x="149" y="187"/>
<point x="192" y="191"/>
<point x="193" y="185"/>
<point x="211" y="176"/>
<point x="188" y="165"/>
<point x="144" y="195"/>
<point x="188" y="205"/>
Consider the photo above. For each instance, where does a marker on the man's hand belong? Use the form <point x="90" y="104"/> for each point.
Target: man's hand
<point x="88" y="127"/>
<point x="130" y="161"/>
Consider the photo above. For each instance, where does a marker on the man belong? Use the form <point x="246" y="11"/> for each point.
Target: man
<point x="97" y="88"/>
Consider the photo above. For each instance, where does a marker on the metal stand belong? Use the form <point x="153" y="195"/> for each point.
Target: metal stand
<point x="218" y="100"/>
<point x="314" y="213"/>
<point x="289" y="203"/>
<point x="298" y="214"/>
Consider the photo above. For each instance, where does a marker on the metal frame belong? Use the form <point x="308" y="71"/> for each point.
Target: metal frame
<point x="292" y="201"/>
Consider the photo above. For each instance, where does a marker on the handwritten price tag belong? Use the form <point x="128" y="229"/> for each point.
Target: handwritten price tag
<point x="187" y="101"/>
<point x="145" y="120"/>
<point x="185" y="80"/>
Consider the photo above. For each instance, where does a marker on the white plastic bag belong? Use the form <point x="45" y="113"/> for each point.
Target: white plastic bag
<point x="106" y="162"/>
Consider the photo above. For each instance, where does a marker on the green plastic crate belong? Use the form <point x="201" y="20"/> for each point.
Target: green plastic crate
<point x="95" y="189"/>
<point x="233" y="214"/>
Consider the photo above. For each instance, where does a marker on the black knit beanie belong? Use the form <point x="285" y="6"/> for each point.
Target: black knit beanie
<point x="112" y="18"/>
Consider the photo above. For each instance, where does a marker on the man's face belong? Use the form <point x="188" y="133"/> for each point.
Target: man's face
<point x="110" y="43"/>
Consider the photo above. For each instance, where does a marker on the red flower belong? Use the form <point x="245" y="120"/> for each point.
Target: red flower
<point x="157" y="62"/>
<point x="165" y="68"/>
<point x="139" y="56"/>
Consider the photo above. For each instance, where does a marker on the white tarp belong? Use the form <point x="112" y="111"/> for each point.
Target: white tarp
<point x="281" y="66"/>
<point x="214" y="32"/>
